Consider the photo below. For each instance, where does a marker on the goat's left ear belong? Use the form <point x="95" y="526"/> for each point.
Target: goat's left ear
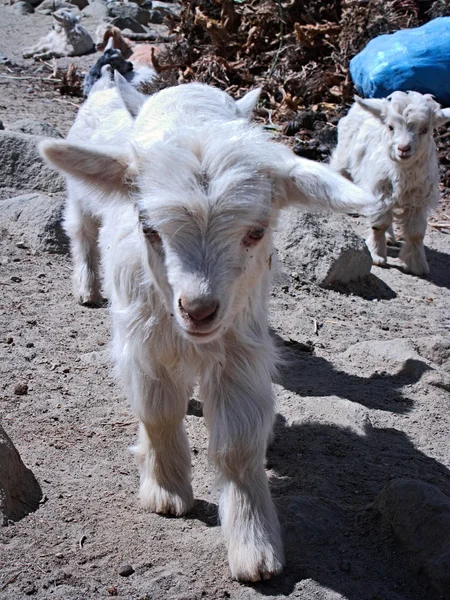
<point x="107" y="170"/>
<point x="318" y="187"/>
<point x="247" y="103"/>
<point x="442" y="116"/>
<point x="375" y="106"/>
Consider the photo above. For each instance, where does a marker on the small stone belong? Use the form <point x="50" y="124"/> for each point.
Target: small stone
<point x="126" y="570"/>
<point x="22" y="245"/>
<point x="112" y="590"/>
<point x="9" y="339"/>
<point x="29" y="590"/>
<point x="21" y="389"/>
<point x="29" y="345"/>
<point x="16" y="279"/>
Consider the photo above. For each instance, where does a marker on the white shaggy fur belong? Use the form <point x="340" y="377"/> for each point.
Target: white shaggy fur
<point x="67" y="38"/>
<point x="386" y="146"/>
<point x="187" y="194"/>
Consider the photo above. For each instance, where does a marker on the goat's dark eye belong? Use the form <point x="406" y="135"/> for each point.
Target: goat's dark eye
<point x="424" y="131"/>
<point x="254" y="235"/>
<point x="391" y="128"/>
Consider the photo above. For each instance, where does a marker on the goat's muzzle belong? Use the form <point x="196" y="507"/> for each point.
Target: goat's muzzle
<point x="199" y="317"/>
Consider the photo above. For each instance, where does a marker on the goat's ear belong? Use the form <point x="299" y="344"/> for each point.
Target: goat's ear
<point x="248" y="102"/>
<point x="110" y="44"/>
<point x="319" y="188"/>
<point x="131" y="98"/>
<point x="103" y="168"/>
<point x="375" y="106"/>
<point x="442" y="116"/>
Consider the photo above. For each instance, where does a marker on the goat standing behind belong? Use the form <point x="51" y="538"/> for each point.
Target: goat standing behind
<point x="187" y="192"/>
<point x="386" y="146"/>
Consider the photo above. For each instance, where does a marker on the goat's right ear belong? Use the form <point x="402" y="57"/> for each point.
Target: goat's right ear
<point x="131" y="98"/>
<point x="103" y="168"/>
<point x="247" y="103"/>
<point x="375" y="106"/>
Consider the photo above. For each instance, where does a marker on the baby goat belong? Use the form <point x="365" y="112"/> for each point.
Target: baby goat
<point x="67" y="38"/>
<point x="187" y="193"/>
<point x="386" y="146"/>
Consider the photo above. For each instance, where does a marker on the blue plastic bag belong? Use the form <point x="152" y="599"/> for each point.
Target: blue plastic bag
<point x="410" y="59"/>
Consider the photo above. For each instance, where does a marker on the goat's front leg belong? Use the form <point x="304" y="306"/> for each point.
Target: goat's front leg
<point x="414" y="224"/>
<point x="162" y="450"/>
<point x="376" y="240"/>
<point x="82" y="230"/>
<point x="238" y="408"/>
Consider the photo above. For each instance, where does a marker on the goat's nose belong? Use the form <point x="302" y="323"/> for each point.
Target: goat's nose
<point x="404" y="148"/>
<point x="198" y="309"/>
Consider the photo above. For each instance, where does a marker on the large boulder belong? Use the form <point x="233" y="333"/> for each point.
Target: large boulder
<point x="128" y="11"/>
<point x="48" y="7"/>
<point x="322" y="249"/>
<point x="22" y="8"/>
<point x="36" y="219"/>
<point x="33" y="127"/>
<point x="20" y="493"/>
<point x="419" y="514"/>
<point x="21" y="166"/>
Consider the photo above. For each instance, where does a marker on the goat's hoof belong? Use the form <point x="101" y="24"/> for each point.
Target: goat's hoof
<point x="420" y="270"/>
<point x="247" y="566"/>
<point x="91" y="300"/>
<point x="379" y="261"/>
<point x="158" y="500"/>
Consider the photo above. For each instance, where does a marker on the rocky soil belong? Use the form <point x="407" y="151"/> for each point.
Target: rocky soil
<point x="362" y="403"/>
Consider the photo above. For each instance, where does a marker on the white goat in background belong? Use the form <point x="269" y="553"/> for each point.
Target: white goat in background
<point x="386" y="146"/>
<point x="67" y="38"/>
<point x="187" y="192"/>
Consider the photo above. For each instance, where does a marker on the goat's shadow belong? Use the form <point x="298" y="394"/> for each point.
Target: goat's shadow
<point x="370" y="287"/>
<point x="324" y="479"/>
<point x="308" y="375"/>
<point x="439" y="263"/>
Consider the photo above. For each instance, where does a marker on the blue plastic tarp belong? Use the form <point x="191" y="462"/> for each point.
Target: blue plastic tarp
<point x="410" y="59"/>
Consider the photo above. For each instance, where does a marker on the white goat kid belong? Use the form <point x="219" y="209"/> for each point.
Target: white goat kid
<point x="386" y="146"/>
<point x="187" y="192"/>
<point x="67" y="38"/>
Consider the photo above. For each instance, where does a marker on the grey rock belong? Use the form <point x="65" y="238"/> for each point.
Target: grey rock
<point x="128" y="23"/>
<point x="157" y="17"/>
<point x="20" y="492"/>
<point x="126" y="570"/>
<point x="48" y="7"/>
<point x="32" y="127"/>
<point x="32" y="2"/>
<point x="37" y="219"/>
<point x="322" y="249"/>
<point x="2" y="127"/>
<point x="419" y="514"/>
<point x="437" y="349"/>
<point x="96" y="10"/>
<point x="21" y="166"/>
<point x="128" y="11"/>
<point x="22" y="8"/>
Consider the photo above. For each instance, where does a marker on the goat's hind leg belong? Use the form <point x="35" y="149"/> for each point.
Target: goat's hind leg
<point x="82" y="230"/>
<point x="162" y="450"/>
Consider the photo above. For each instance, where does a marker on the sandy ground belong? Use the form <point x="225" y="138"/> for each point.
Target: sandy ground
<point x="351" y="417"/>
